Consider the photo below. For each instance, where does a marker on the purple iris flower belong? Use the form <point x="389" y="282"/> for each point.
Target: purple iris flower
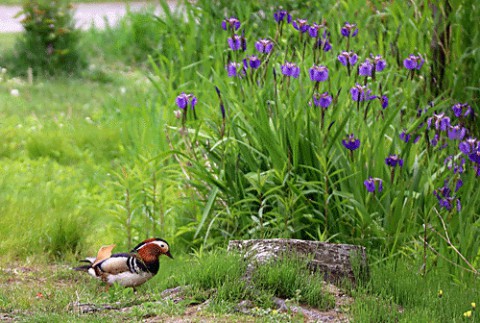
<point x="366" y="68"/>
<point x="458" y="167"/>
<point x="413" y="62"/>
<point x="361" y="93"/>
<point x="253" y="61"/>
<point x="280" y="16"/>
<point x="319" y="73"/>
<point x="243" y="41"/>
<point x="434" y="141"/>
<point x="447" y="203"/>
<point x="445" y="199"/>
<point x="235" y="69"/>
<point x="348" y="58"/>
<point x="441" y="122"/>
<point x="290" y="69"/>
<point x="379" y="62"/>
<point x="351" y="143"/>
<point x="264" y="46"/>
<point x="300" y="25"/>
<point x="235" y="42"/>
<point x="370" y="184"/>
<point x="349" y="30"/>
<point x="469" y="145"/>
<point x="324" y="42"/>
<point x="458" y="185"/>
<point x="384" y="101"/>
<point x="456" y="132"/>
<point x="322" y="100"/>
<point x="444" y="191"/>
<point x="313" y="30"/>
<point x="475" y="157"/>
<point x="407" y="137"/>
<point x="404" y="136"/>
<point x="183" y="100"/>
<point x="459" y="108"/>
<point x="393" y="161"/>
<point x="232" y="23"/>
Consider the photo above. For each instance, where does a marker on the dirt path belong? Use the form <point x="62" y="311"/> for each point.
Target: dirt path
<point x="86" y="14"/>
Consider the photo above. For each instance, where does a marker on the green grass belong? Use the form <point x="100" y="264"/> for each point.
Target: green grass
<point x="291" y="279"/>
<point x="400" y="293"/>
<point x="8" y="40"/>
<point x="395" y="293"/>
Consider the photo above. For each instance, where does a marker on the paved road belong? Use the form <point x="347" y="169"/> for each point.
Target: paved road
<point x="86" y="14"/>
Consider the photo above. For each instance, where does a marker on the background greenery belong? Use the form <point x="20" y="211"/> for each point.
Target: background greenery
<point x="99" y="156"/>
<point x="18" y="2"/>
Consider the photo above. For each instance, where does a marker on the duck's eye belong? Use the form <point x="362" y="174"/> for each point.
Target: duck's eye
<point x="162" y="246"/>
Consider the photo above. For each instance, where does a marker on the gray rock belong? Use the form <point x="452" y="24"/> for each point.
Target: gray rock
<point x="337" y="262"/>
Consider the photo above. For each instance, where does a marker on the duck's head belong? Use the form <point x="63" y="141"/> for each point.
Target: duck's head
<point x="153" y="247"/>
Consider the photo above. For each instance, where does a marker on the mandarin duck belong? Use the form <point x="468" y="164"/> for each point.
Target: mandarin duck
<point x="127" y="269"/>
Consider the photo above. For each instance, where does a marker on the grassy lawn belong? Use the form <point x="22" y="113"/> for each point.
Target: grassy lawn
<point x="8" y="40"/>
<point x="59" y="129"/>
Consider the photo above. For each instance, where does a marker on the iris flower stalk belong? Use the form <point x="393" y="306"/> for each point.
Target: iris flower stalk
<point x="393" y="161"/>
<point x="290" y="70"/>
<point x="323" y="101"/>
<point x="349" y="30"/>
<point x="321" y="44"/>
<point x="222" y="111"/>
<point x="184" y="101"/>
<point x="348" y="59"/>
<point x="413" y="63"/>
<point x="280" y="17"/>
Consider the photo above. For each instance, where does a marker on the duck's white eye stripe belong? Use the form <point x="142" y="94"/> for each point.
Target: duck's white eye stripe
<point x="161" y="244"/>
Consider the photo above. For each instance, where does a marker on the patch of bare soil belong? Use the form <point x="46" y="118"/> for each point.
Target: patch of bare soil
<point x="197" y="313"/>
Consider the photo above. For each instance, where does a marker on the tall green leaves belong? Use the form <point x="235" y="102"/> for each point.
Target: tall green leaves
<point x="278" y="167"/>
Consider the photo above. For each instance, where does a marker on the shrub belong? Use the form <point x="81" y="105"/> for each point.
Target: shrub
<point x="50" y="43"/>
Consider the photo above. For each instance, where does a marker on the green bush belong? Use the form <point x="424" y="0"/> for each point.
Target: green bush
<point x="50" y="43"/>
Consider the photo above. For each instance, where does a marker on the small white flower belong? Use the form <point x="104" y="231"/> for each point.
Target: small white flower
<point x="123" y="90"/>
<point x="3" y="70"/>
<point x="14" y="92"/>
